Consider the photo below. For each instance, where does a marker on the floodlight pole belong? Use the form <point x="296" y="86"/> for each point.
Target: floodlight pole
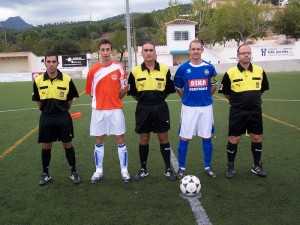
<point x="128" y="35"/>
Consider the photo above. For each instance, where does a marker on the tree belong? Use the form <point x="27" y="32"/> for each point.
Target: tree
<point x="240" y="20"/>
<point x="66" y="47"/>
<point x="174" y="10"/>
<point x="85" y="45"/>
<point x="201" y="12"/>
<point x="119" y="40"/>
<point x="160" y="33"/>
<point x="106" y="26"/>
<point x="216" y="28"/>
<point x="145" y="20"/>
<point x="150" y="26"/>
<point x="287" y="21"/>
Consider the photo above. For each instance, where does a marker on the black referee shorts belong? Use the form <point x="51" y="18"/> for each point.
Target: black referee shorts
<point x="55" y="127"/>
<point x="152" y="118"/>
<point x="240" y="121"/>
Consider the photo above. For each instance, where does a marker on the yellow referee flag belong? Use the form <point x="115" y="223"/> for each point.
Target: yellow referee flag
<point x="247" y="134"/>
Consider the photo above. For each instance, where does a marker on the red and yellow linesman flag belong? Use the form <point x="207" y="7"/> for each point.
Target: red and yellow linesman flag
<point x="75" y="115"/>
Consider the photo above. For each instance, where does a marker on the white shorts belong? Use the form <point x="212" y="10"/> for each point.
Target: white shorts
<point x="196" y="119"/>
<point x="107" y="122"/>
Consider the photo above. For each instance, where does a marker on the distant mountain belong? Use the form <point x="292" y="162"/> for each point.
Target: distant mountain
<point x="15" y="23"/>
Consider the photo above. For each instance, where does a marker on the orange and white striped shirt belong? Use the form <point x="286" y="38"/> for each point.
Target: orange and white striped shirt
<point x="104" y="84"/>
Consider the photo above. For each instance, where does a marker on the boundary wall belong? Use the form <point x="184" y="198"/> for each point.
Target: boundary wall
<point x="268" y="66"/>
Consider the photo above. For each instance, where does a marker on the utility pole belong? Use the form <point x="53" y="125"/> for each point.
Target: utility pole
<point x="134" y="42"/>
<point x="128" y="36"/>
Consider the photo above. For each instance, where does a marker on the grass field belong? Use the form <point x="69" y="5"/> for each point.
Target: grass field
<point x="244" y="200"/>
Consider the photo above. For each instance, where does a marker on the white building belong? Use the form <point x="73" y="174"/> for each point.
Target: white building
<point x="181" y="32"/>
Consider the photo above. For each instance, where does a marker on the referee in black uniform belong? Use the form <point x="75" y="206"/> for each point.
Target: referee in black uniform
<point x="243" y="86"/>
<point x="54" y="92"/>
<point x="150" y="84"/>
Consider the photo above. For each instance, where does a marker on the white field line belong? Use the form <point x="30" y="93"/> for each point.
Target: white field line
<point x="197" y="209"/>
<point x="126" y="102"/>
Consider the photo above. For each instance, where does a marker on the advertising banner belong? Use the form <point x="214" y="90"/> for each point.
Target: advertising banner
<point x="74" y="60"/>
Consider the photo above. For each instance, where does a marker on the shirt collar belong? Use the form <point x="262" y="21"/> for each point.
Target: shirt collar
<point x="156" y="66"/>
<point x="241" y="69"/>
<point x="59" y="75"/>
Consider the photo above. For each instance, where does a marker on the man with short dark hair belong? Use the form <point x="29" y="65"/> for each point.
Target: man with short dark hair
<point x="195" y="82"/>
<point x="150" y="84"/>
<point x="106" y="83"/>
<point x="54" y="93"/>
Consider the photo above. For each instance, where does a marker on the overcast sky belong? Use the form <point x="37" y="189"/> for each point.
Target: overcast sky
<point x="39" y="12"/>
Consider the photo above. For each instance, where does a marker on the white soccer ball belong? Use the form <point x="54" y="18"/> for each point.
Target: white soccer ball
<point x="190" y="185"/>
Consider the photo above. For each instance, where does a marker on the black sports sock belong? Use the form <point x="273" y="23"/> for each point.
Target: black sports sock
<point x="165" y="150"/>
<point x="231" y="152"/>
<point x="256" y="149"/>
<point x="144" y="152"/>
<point x="70" y="155"/>
<point x="46" y="157"/>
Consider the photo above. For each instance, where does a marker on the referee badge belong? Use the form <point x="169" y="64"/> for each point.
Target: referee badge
<point x="221" y="87"/>
<point x="61" y="94"/>
<point x="159" y="85"/>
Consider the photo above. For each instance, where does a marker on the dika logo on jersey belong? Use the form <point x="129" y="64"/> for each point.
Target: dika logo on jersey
<point x="198" y="83"/>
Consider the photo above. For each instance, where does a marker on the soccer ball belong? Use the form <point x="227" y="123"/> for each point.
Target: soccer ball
<point x="190" y="185"/>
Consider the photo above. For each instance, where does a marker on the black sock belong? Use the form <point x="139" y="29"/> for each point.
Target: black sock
<point x="231" y="152"/>
<point x="165" y="150"/>
<point x="144" y="152"/>
<point x="70" y="155"/>
<point x="256" y="149"/>
<point x="46" y="157"/>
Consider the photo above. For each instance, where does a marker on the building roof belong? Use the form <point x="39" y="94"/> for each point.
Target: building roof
<point x="15" y="55"/>
<point x="181" y="21"/>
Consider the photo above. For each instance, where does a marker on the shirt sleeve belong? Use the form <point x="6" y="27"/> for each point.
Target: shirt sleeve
<point x="265" y="83"/>
<point x="123" y="78"/>
<point x="88" y="84"/>
<point x="170" y="88"/>
<point x="73" y="93"/>
<point x="132" y="88"/>
<point x="178" y="80"/>
<point x="225" y="86"/>
<point x="213" y="78"/>
<point x="35" y="93"/>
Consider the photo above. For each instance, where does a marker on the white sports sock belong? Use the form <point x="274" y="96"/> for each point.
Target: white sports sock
<point x="99" y="155"/>
<point x="123" y="157"/>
